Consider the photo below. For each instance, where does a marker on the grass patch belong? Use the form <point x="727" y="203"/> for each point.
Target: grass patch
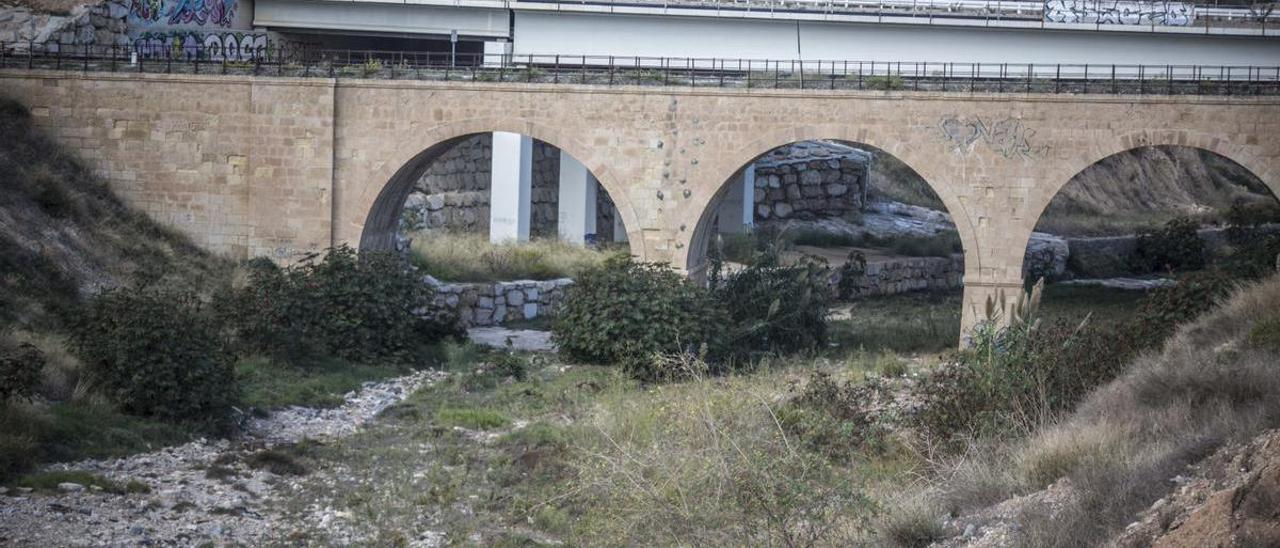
<point x="904" y="323"/>
<point x="472" y="419"/>
<point x="49" y="481"/>
<point x="930" y="321"/>
<point x="457" y="257"/>
<point x="69" y="431"/>
<point x="268" y="385"/>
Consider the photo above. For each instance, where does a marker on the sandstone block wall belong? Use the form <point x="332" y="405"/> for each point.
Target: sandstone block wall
<point x="484" y="304"/>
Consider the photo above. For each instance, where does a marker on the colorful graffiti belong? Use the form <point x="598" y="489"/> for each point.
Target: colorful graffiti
<point x="211" y="46"/>
<point x="214" y="13"/>
<point x="1007" y="137"/>
<point x="1119" y="12"/>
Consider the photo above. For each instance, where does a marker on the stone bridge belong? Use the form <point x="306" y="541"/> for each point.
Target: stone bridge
<point x="251" y="166"/>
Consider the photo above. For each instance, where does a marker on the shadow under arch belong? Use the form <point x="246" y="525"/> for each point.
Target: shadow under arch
<point x="699" y="239"/>
<point x="381" y="222"/>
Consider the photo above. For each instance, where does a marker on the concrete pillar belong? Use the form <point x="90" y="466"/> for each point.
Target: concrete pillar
<point x="619" y="231"/>
<point x="510" y="187"/>
<point x="577" y="201"/>
<point x="737" y="208"/>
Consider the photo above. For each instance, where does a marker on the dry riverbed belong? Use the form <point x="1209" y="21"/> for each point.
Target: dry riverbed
<point x="218" y="492"/>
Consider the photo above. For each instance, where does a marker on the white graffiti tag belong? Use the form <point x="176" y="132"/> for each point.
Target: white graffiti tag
<point x="1115" y="12"/>
<point x="1008" y="137"/>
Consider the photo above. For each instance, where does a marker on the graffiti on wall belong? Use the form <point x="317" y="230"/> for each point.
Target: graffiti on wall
<point x="212" y="46"/>
<point x="1008" y="137"/>
<point x="1116" y="12"/>
<point x="201" y="13"/>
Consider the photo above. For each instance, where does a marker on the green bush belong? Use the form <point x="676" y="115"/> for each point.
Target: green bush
<point x="158" y="354"/>
<point x="1194" y="294"/>
<point x="20" y="369"/>
<point x="626" y="309"/>
<point x="362" y="308"/>
<point x="1245" y="220"/>
<point x="776" y="309"/>
<point x="1175" y="247"/>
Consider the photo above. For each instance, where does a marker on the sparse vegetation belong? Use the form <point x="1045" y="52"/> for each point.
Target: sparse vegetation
<point x="1122" y="444"/>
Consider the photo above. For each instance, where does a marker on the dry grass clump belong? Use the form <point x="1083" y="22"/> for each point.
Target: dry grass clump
<point x="1207" y="387"/>
<point x="459" y="257"/>
<point x="913" y="523"/>
<point x="61" y="377"/>
<point x="706" y="462"/>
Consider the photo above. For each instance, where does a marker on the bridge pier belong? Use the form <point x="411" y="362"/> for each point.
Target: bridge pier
<point x="577" y="201"/>
<point x="510" y="187"/>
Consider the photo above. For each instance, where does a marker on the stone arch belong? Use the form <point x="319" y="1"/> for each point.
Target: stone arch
<point x="733" y="163"/>
<point x="1247" y="156"/>
<point x="370" y="212"/>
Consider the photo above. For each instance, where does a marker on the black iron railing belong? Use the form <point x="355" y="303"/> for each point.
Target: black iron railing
<point x="1208" y="16"/>
<point x="274" y="60"/>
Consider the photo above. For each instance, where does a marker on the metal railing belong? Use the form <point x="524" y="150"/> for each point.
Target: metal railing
<point x="806" y="74"/>
<point x="1203" y="15"/>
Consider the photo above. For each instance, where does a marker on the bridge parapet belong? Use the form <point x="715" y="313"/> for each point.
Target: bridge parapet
<point x="679" y="72"/>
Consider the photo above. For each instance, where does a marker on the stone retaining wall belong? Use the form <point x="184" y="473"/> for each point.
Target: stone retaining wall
<point x="810" y="179"/>
<point x="906" y="274"/>
<point x="495" y="303"/>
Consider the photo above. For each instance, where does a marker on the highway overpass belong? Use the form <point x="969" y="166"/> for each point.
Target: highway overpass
<point x="963" y="31"/>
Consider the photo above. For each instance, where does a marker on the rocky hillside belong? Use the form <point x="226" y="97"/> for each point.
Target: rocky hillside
<point x="63" y="234"/>
<point x="1149" y="186"/>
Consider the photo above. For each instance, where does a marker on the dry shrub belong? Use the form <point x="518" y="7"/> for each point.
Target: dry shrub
<point x="1207" y="387"/>
<point x="62" y="372"/>
<point x="705" y="462"/>
<point x="911" y="522"/>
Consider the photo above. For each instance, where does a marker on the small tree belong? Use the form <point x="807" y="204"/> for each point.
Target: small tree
<point x="626" y="309"/>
